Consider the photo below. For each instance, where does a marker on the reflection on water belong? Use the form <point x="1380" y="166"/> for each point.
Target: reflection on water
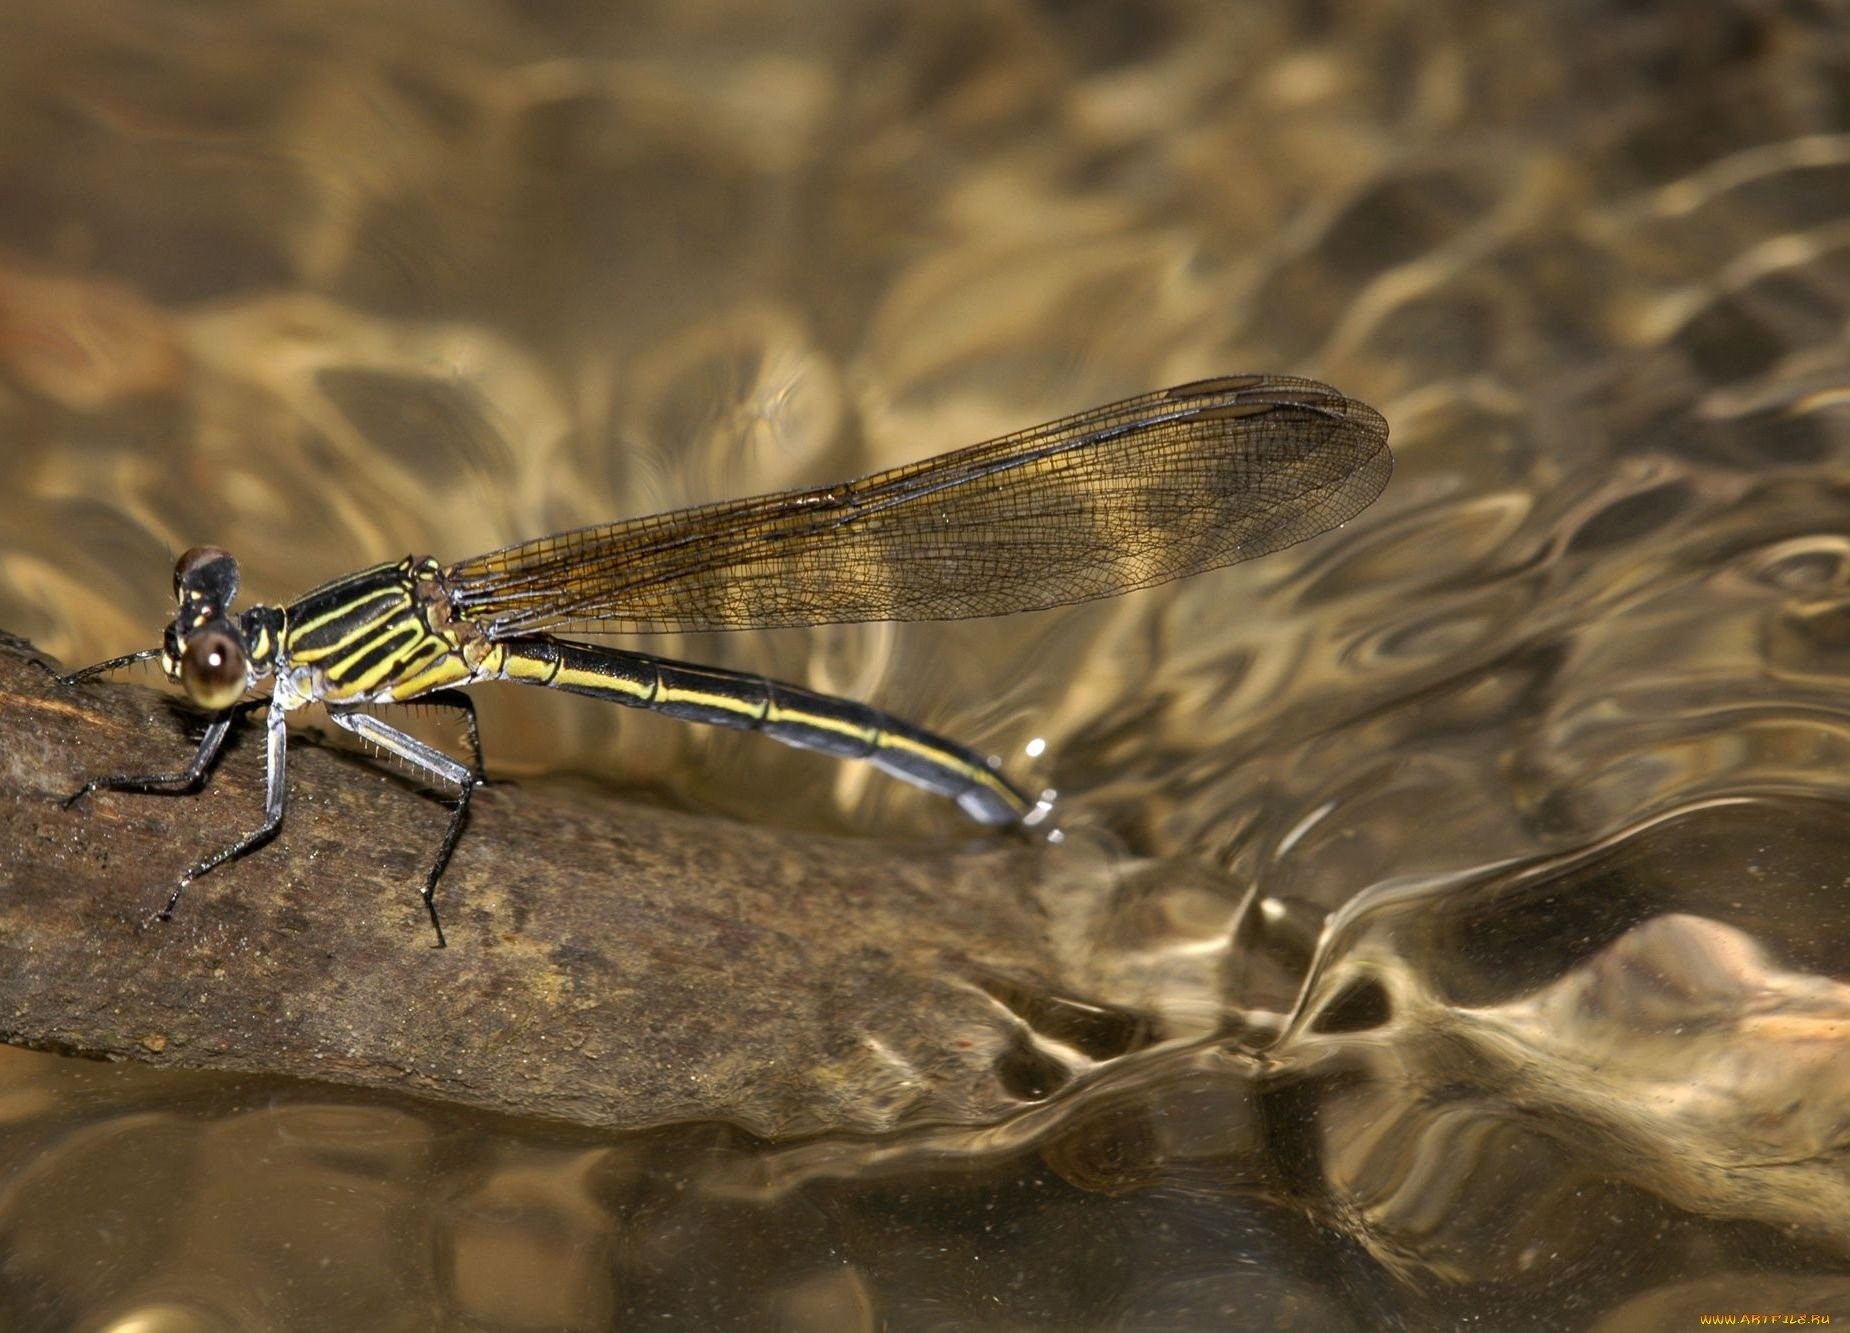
<point x="1530" y="781"/>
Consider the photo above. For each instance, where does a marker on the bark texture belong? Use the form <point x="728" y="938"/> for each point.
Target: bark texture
<point x="609" y="963"/>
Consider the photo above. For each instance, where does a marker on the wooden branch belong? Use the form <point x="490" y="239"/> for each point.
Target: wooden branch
<point x="609" y="963"/>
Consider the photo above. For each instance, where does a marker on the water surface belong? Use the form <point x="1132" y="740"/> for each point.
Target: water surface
<point x="1522" y="795"/>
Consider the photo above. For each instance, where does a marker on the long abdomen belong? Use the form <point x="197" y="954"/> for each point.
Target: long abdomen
<point x="788" y="713"/>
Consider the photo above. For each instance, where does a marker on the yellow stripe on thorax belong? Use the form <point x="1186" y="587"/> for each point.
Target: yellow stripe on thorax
<point x="435" y="665"/>
<point x="380" y="605"/>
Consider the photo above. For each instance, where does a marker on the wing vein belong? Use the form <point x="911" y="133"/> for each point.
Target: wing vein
<point x="1119" y="497"/>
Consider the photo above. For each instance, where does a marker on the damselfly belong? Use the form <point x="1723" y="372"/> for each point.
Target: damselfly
<point x="1117" y="498"/>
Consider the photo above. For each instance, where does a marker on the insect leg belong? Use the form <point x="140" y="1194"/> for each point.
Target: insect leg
<point x="276" y="744"/>
<point x="432" y="763"/>
<point x="177" y="781"/>
<point x="463" y="702"/>
<point x="83" y="674"/>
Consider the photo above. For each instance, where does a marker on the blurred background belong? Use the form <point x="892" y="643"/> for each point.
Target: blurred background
<point x="1529" y="783"/>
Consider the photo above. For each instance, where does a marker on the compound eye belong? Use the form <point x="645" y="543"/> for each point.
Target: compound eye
<point x="192" y="562"/>
<point x="212" y="669"/>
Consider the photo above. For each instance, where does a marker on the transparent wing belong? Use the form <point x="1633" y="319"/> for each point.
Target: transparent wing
<point x="1119" y="497"/>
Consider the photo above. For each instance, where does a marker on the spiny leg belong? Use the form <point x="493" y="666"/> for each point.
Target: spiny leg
<point x="276" y="745"/>
<point x="84" y="673"/>
<point x="463" y="702"/>
<point x="176" y="781"/>
<point x="433" y="763"/>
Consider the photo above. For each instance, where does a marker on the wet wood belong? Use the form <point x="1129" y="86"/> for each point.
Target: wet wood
<point x="609" y="963"/>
